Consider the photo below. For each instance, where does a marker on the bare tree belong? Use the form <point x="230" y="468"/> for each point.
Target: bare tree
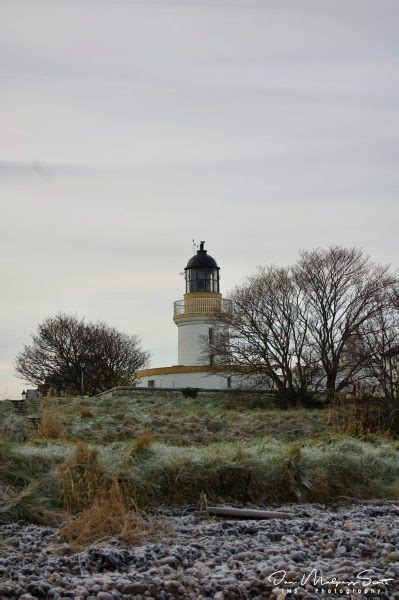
<point x="264" y="335"/>
<point x="343" y="291"/>
<point x="71" y="355"/>
<point x="299" y="329"/>
<point x="379" y="349"/>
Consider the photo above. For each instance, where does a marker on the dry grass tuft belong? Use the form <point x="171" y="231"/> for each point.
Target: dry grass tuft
<point x="51" y="425"/>
<point x="320" y="490"/>
<point x="142" y="442"/>
<point x="105" y="507"/>
<point x="139" y="448"/>
<point x="86" y="411"/>
<point x="108" y="514"/>
<point x="293" y="471"/>
<point x="104" y="517"/>
<point x="81" y="479"/>
<point x="360" y="416"/>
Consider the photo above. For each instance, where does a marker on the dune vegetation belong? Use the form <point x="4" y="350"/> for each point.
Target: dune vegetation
<point x="74" y="459"/>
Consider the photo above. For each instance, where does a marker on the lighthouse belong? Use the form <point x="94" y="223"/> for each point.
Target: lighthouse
<point x="201" y="302"/>
<point x="196" y="318"/>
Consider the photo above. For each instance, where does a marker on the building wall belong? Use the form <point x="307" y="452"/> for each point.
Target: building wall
<point x="211" y="381"/>
<point x="191" y="333"/>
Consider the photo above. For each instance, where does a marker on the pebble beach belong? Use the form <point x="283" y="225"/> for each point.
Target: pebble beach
<point x="355" y="545"/>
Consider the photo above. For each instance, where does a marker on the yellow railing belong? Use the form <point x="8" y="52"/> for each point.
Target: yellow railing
<point x="200" y="305"/>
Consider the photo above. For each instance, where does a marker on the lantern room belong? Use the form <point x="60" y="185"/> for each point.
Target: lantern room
<point x="202" y="272"/>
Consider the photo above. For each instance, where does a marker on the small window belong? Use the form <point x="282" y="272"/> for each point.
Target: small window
<point x="211" y="359"/>
<point x="210" y="335"/>
<point x="151" y="383"/>
<point x="229" y="382"/>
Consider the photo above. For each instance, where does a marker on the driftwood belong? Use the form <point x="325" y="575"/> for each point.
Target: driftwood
<point x="247" y="513"/>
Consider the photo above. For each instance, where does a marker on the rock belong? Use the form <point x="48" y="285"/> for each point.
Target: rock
<point x="172" y="587"/>
<point x="55" y="591"/>
<point x="351" y="525"/>
<point x="346" y="563"/>
<point x="104" y="596"/>
<point x="168" y="560"/>
<point x="244" y="555"/>
<point x="44" y="586"/>
<point x="36" y="590"/>
<point x="298" y="556"/>
<point x="389" y="575"/>
<point x="134" y="588"/>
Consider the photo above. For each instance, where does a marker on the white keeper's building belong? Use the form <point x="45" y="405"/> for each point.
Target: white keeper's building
<point x="196" y="319"/>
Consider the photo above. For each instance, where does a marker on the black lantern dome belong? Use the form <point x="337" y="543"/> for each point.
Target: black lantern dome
<point x="202" y="272"/>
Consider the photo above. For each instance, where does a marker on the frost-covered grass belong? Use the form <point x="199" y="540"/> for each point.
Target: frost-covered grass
<point x="171" y="419"/>
<point x="264" y="472"/>
<point x="29" y="489"/>
<point x="153" y="451"/>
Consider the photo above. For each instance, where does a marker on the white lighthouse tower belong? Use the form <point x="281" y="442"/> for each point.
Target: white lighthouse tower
<point x="196" y="319"/>
<point x="201" y="301"/>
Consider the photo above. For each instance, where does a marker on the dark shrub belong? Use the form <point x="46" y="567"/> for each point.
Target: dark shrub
<point x="190" y="392"/>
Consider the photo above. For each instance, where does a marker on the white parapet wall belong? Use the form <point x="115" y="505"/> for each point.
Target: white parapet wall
<point x="170" y="378"/>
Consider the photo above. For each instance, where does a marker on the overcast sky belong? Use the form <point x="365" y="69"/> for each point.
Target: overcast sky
<point x="128" y="128"/>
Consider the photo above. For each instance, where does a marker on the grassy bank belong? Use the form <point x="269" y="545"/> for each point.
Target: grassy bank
<point x="266" y="472"/>
<point x="170" y="419"/>
<point x="97" y="460"/>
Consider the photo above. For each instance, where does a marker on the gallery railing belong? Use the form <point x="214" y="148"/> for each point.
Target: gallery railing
<point x="201" y="306"/>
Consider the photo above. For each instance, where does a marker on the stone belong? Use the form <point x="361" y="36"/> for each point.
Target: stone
<point x="134" y="588"/>
<point x="351" y="525"/>
<point x="298" y="556"/>
<point x="36" y="590"/>
<point x="346" y="563"/>
<point x="55" y="591"/>
<point x="44" y="586"/>
<point x="168" y="560"/>
<point x="172" y="587"/>
<point x="244" y="555"/>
